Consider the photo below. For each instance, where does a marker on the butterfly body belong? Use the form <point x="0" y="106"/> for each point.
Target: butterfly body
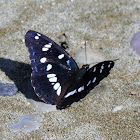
<point x="56" y="78"/>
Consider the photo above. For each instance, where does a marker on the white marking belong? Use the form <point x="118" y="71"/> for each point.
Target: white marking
<point x="53" y="79"/>
<point x="80" y="89"/>
<point x="34" y="88"/>
<point x="101" y="70"/>
<point x="51" y="75"/>
<point x="56" y="86"/>
<point x="59" y="91"/>
<point x="44" y="49"/>
<point x="88" y="83"/>
<point x="68" y="62"/>
<point x="109" y="65"/>
<point x="61" y="56"/>
<point x="38" y="34"/>
<point x="49" y="66"/>
<point x="94" y="69"/>
<point x="94" y="80"/>
<point x="43" y="60"/>
<point x="52" y="83"/>
<point x="36" y="37"/>
<point x="48" y="45"/>
<point x="70" y="93"/>
<point x="102" y="67"/>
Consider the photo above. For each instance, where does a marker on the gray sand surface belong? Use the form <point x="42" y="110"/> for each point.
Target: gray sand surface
<point x="108" y="112"/>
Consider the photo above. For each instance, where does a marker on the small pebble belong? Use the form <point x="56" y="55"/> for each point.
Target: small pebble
<point x="7" y="89"/>
<point x="135" y="42"/>
<point x="26" y="123"/>
<point x="117" y="108"/>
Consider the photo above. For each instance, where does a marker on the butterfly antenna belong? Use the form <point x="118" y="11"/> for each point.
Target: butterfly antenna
<point x="86" y="51"/>
<point x="66" y="41"/>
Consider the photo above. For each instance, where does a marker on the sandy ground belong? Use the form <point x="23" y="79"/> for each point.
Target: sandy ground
<point x="108" y="26"/>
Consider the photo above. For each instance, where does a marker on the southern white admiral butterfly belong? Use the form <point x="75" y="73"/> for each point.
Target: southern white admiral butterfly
<point x="55" y="77"/>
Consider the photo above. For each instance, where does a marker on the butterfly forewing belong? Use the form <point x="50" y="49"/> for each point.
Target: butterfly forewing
<point x="43" y="49"/>
<point x="52" y="67"/>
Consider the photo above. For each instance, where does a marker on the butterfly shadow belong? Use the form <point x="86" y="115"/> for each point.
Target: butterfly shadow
<point x="19" y="73"/>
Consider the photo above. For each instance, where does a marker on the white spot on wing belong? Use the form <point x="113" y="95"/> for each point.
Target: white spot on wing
<point x="60" y="56"/>
<point x="109" y="65"/>
<point x="102" y="67"/>
<point x="94" y="80"/>
<point x="68" y="62"/>
<point x="88" y="83"/>
<point x="70" y="93"/>
<point x="34" y="88"/>
<point x="49" y="66"/>
<point x="38" y="34"/>
<point x="46" y="47"/>
<point x="53" y="79"/>
<point x="80" y="89"/>
<point x="36" y="37"/>
<point x="51" y="75"/>
<point x="94" y="69"/>
<point x="43" y="60"/>
<point x="59" y="91"/>
<point x="56" y="86"/>
<point x="101" y="70"/>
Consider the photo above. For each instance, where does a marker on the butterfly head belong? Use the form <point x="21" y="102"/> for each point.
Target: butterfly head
<point x="86" y="66"/>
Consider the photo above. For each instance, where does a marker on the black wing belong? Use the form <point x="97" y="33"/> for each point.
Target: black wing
<point x="90" y="79"/>
<point x="52" y="67"/>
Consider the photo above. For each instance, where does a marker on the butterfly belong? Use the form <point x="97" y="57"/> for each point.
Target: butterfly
<point x="55" y="77"/>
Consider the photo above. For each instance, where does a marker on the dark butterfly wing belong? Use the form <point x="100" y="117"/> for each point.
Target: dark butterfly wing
<point x="52" y="67"/>
<point x="90" y="79"/>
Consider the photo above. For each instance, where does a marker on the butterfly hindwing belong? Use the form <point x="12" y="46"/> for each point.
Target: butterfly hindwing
<point x="52" y="67"/>
<point x="48" y="86"/>
<point x="90" y="79"/>
<point x="96" y="73"/>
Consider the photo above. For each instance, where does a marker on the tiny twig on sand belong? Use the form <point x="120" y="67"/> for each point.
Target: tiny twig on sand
<point x="124" y="76"/>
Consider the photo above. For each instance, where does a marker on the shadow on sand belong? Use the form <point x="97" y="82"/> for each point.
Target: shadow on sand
<point x="20" y="74"/>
